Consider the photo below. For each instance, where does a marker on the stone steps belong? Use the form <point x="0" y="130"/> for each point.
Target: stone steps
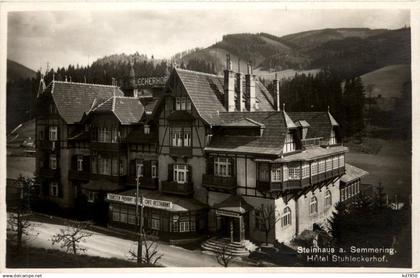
<point x="215" y="245"/>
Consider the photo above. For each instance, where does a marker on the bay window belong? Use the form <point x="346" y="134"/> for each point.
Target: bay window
<point x="294" y="172"/>
<point x="181" y="137"/>
<point x="223" y="167"/>
<point x="305" y="170"/>
<point x="321" y="166"/>
<point x="180" y="173"/>
<point x="276" y="174"/>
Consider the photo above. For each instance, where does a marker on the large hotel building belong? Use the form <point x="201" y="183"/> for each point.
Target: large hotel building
<point x="212" y="155"/>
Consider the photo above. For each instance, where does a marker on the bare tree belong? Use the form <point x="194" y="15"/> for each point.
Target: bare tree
<point x="19" y="226"/>
<point x="223" y="256"/>
<point x="151" y="253"/>
<point x="71" y="237"/>
<point x="269" y="219"/>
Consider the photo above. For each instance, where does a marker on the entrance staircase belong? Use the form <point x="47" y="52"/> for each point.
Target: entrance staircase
<point x="216" y="245"/>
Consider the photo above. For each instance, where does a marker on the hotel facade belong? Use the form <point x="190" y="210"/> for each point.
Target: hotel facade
<point x="212" y="154"/>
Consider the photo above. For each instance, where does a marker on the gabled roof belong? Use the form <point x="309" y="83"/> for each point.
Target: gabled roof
<point x="270" y="142"/>
<point x="245" y="122"/>
<point x="320" y="123"/>
<point x="128" y="110"/>
<point x="234" y="203"/>
<point x="207" y="94"/>
<point x="74" y="99"/>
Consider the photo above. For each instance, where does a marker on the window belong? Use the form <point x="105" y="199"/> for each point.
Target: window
<point x="114" y="136"/>
<point x="223" y="167"/>
<point x="79" y="163"/>
<point x="53" y="135"/>
<point x="321" y="166"/>
<point x="286" y="218"/>
<point x="54" y="189"/>
<point x="276" y="174"/>
<point x="289" y="144"/>
<point x="180" y="173"/>
<point x="328" y="199"/>
<point x="182" y="103"/>
<point x="91" y="197"/>
<point x="313" y="205"/>
<point x="104" y="165"/>
<point x="341" y="160"/>
<point x="342" y="197"/>
<point x="115" y="215"/>
<point x="184" y="226"/>
<point x="131" y="216"/>
<point x="314" y="168"/>
<point x="329" y="164"/>
<point x="181" y="137"/>
<point x="335" y="162"/>
<point x="104" y="134"/>
<point x="294" y="173"/>
<point x="155" y="222"/>
<point x="146" y="129"/>
<point x="139" y="168"/>
<point x="305" y="170"/>
<point x="333" y="139"/>
<point x="53" y="162"/>
<point x="154" y="169"/>
<point x="175" y="222"/>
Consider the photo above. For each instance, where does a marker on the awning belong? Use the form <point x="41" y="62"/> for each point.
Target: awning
<point x="155" y="199"/>
<point x="102" y="185"/>
<point x="352" y="173"/>
<point x="235" y="204"/>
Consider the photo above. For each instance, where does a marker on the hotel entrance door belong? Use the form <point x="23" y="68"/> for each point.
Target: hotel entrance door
<point x="230" y="228"/>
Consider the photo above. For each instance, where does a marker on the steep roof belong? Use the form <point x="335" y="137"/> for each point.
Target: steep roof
<point x="207" y="94"/>
<point x="128" y="110"/>
<point x="320" y="123"/>
<point x="74" y="99"/>
<point x="270" y="142"/>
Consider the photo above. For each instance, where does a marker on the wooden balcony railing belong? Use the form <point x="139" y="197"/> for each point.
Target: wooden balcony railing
<point x="266" y="186"/>
<point x="219" y="183"/>
<point x="79" y="175"/>
<point x="144" y="182"/>
<point x="48" y="173"/>
<point x="172" y="187"/>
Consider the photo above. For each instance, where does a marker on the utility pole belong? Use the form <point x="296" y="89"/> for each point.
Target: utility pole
<point x="139" y="222"/>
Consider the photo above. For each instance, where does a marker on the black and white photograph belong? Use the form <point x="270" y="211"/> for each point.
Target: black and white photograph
<point x="222" y="136"/>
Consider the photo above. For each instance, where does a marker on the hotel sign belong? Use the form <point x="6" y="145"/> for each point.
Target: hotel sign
<point x="151" y="81"/>
<point x="131" y="200"/>
<point x="227" y="213"/>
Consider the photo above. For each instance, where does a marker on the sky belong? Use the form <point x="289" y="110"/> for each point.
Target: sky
<point x="79" y="37"/>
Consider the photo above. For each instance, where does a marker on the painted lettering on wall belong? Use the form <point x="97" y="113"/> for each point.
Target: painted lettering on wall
<point x="131" y="200"/>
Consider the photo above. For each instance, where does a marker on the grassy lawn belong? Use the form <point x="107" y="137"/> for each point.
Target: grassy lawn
<point x="31" y="257"/>
<point x="391" y="166"/>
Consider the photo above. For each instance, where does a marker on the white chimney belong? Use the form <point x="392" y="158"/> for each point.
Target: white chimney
<point x="229" y="86"/>
<point x="276" y="93"/>
<point x="250" y="88"/>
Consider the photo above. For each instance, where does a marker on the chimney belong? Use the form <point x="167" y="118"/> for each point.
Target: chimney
<point x="250" y="88"/>
<point x="276" y="93"/>
<point x="239" y="89"/>
<point x="229" y="86"/>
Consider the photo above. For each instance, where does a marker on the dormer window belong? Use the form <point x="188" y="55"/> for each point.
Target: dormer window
<point x="146" y="129"/>
<point x="333" y="138"/>
<point x="290" y="143"/>
<point x="182" y="103"/>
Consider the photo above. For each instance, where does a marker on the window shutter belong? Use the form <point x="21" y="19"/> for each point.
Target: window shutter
<point x="170" y="172"/>
<point x="60" y="190"/>
<point x="232" y="167"/>
<point x="132" y="170"/>
<point x="147" y="168"/>
<point x="210" y="165"/>
<point x="189" y="174"/>
<point x="86" y="163"/>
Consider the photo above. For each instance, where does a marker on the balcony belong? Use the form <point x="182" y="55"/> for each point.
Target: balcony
<point x="180" y="151"/>
<point x="48" y="145"/>
<point x="114" y="179"/>
<point x="267" y="186"/>
<point x="145" y="182"/>
<point x="172" y="187"/>
<point x="107" y="146"/>
<point x="225" y="184"/>
<point x="82" y="176"/>
<point x="48" y="173"/>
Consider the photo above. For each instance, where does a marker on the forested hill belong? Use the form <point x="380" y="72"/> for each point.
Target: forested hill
<point x="353" y="51"/>
<point x="16" y="71"/>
